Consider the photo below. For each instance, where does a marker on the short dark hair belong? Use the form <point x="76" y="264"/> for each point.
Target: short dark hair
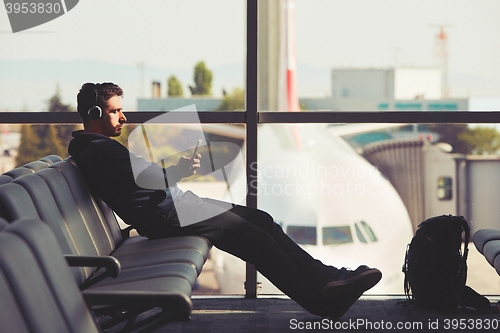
<point x="92" y="94"/>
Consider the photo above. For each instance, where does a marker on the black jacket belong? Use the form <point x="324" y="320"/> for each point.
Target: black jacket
<point x="106" y="166"/>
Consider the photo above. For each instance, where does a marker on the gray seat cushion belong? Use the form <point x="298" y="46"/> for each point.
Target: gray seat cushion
<point x="483" y="236"/>
<point x="487" y="242"/>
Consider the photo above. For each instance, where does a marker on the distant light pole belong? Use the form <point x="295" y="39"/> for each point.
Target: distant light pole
<point x="442" y="56"/>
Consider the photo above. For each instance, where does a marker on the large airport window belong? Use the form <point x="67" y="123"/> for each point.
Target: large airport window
<point x="222" y="176"/>
<point x="166" y="55"/>
<point x="382" y="186"/>
<point x="312" y="49"/>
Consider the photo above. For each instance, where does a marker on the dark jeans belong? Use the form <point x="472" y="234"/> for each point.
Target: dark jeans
<point x="253" y="236"/>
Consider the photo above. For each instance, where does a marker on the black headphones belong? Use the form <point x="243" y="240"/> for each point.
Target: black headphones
<point x="95" y="112"/>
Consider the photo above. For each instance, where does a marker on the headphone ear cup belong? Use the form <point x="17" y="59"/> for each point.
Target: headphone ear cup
<point x="95" y="112"/>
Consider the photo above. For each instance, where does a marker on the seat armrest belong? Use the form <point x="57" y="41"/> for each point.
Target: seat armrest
<point x="132" y="297"/>
<point x="138" y="299"/>
<point x="126" y="232"/>
<point x="174" y="305"/>
<point x="110" y="264"/>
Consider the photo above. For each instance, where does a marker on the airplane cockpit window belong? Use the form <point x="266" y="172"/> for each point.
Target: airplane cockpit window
<point x="302" y="235"/>
<point x="369" y="231"/>
<point x="337" y="235"/>
<point x="360" y="234"/>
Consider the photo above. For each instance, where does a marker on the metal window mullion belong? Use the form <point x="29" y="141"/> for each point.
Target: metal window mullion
<point x="251" y="129"/>
<point x="139" y="117"/>
<point x="208" y="117"/>
<point x="467" y="117"/>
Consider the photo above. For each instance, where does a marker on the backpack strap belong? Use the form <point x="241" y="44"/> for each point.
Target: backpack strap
<point x="407" y="288"/>
<point x="466" y="228"/>
<point x="463" y="264"/>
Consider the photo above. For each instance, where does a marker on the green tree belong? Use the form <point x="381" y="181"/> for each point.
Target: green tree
<point x="28" y="147"/>
<point x="50" y="142"/>
<point x="38" y="141"/>
<point x="174" y="87"/>
<point x="55" y="105"/>
<point x="234" y="101"/>
<point x="202" y="80"/>
<point x="481" y="140"/>
<point x="450" y="133"/>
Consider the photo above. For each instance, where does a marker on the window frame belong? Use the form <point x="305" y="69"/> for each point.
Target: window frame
<point x="252" y="118"/>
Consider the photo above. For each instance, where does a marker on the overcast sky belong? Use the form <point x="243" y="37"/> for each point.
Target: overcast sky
<point x="169" y="37"/>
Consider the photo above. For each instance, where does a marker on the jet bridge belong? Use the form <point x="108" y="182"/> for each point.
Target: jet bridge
<point x="433" y="182"/>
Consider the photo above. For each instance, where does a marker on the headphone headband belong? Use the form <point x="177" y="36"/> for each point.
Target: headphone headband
<point x="95" y="112"/>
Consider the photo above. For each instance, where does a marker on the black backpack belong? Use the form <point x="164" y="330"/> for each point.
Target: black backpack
<point x="435" y="266"/>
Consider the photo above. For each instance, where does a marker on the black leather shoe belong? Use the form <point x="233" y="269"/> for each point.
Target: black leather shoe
<point x="348" y="287"/>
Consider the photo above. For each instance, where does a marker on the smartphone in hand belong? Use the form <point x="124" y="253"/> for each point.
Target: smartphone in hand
<point x="196" y="149"/>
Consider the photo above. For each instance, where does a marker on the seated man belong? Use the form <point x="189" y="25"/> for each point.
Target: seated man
<point x="250" y="234"/>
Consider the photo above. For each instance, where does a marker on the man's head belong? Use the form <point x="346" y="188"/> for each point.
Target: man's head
<point x="100" y="107"/>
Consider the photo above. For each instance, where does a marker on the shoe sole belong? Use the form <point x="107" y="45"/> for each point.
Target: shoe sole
<point x="348" y="291"/>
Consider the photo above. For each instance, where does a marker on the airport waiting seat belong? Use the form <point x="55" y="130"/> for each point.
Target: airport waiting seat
<point x="37" y="290"/>
<point x="4" y="179"/>
<point x="36" y="165"/>
<point x="51" y="159"/>
<point x="18" y="172"/>
<point x="29" y="168"/>
<point x="86" y="226"/>
<point x="487" y="242"/>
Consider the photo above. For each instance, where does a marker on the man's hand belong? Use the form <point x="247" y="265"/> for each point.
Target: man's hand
<point x="187" y="166"/>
